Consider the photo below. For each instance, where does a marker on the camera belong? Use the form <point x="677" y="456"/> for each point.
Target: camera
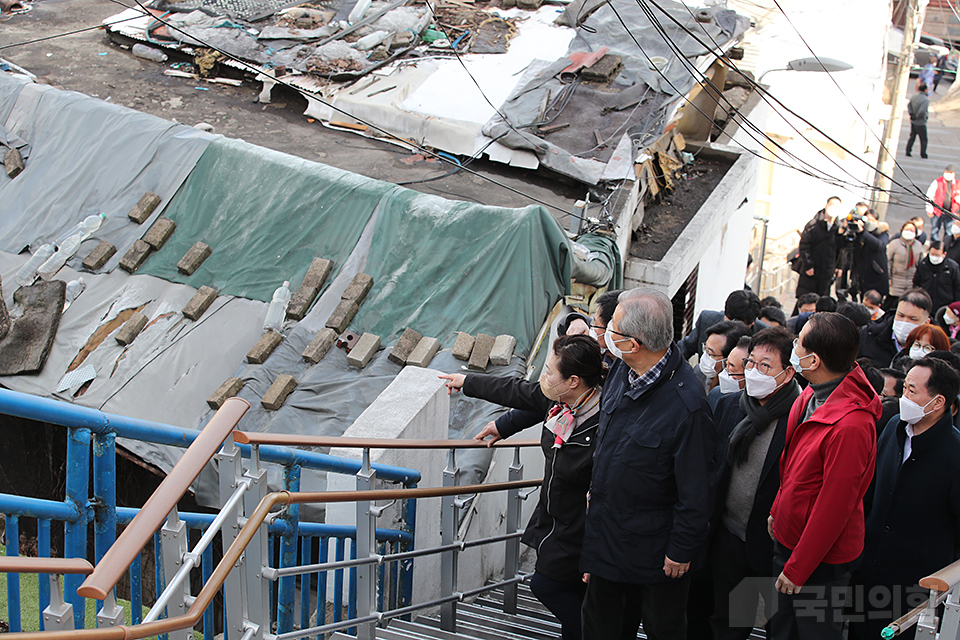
<point x="852" y="230"/>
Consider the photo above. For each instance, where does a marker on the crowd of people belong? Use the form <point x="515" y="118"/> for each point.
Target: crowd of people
<point x="810" y="461"/>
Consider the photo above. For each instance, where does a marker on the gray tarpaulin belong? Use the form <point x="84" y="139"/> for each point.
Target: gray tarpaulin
<point x="87" y="156"/>
<point x="635" y="103"/>
<point x="438" y="265"/>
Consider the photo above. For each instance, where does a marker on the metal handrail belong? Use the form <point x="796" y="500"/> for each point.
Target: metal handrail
<point x="909" y="619"/>
<point x="26" y="564"/>
<point x="943" y="580"/>
<point x="233" y="554"/>
<point x="129" y="544"/>
<point x="271" y="573"/>
<point x="296" y="440"/>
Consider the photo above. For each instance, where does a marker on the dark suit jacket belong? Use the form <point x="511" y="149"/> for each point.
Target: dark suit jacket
<point x="692" y="343"/>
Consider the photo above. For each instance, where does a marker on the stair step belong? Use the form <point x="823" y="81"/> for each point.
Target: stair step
<point x="551" y="626"/>
<point x="525" y="597"/>
<point x="419" y="630"/>
<point x="489" y="629"/>
<point x="540" y="612"/>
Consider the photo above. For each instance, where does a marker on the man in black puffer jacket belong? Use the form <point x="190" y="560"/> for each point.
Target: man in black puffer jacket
<point x="939" y="276"/>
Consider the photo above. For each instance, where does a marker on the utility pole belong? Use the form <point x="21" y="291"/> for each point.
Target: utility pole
<point x="898" y="97"/>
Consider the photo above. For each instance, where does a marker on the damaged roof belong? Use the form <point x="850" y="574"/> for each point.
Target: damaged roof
<point x="569" y="89"/>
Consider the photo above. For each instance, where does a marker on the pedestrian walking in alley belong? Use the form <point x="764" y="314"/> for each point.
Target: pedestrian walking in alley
<point x="942" y="203"/>
<point x="928" y="73"/>
<point x="917" y="108"/>
<point x="941" y="67"/>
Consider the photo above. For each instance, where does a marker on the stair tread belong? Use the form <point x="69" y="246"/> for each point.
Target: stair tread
<point x="434" y="631"/>
<point x="492" y="629"/>
<point x="495" y="614"/>
<point x="527" y="603"/>
<point x="540" y="612"/>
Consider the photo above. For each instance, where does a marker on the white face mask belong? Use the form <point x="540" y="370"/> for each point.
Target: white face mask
<point x="902" y="329"/>
<point x="908" y="236"/>
<point x="795" y="360"/>
<point x="760" y="385"/>
<point x="870" y="225"/>
<point x="727" y="383"/>
<point x="916" y="351"/>
<point x="593" y="334"/>
<point x="614" y="349"/>
<point x="911" y="412"/>
<point x="949" y="318"/>
<point x="936" y="259"/>
<point x="955" y="229"/>
<point x="708" y="366"/>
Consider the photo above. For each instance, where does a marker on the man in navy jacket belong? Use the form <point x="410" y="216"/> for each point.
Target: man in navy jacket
<point x="651" y="492"/>
<point x="913" y="528"/>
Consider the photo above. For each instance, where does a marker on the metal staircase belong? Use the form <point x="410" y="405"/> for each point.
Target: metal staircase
<point x="483" y="619"/>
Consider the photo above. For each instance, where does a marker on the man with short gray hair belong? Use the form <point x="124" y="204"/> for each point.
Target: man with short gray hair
<point x="651" y="492"/>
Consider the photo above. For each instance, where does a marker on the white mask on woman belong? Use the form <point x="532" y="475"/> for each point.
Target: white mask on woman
<point x="908" y="236"/>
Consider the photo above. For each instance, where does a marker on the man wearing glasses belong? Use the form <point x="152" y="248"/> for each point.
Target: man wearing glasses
<point x="753" y="426"/>
<point x="652" y="483"/>
<point x="827" y="464"/>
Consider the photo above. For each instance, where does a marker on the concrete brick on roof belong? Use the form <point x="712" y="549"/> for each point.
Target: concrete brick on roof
<point x="99" y="256"/>
<point x="135" y="256"/>
<point x="144" y="207"/>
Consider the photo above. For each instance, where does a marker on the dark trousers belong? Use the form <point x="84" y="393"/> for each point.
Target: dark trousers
<point x="737" y="588"/>
<point x="918" y="131"/>
<point x="942" y="221"/>
<point x="612" y="609"/>
<point x="816" y="612"/>
<point x="563" y="599"/>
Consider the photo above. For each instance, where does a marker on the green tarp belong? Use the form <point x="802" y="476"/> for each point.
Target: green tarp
<point x="266" y="215"/>
<point x="438" y="265"/>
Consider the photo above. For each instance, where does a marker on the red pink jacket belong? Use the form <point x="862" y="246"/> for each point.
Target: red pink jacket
<point x="826" y="467"/>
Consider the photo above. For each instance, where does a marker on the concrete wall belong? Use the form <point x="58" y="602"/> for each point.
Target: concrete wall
<point x="416" y="405"/>
<point x="710" y="229"/>
<point x="724" y="262"/>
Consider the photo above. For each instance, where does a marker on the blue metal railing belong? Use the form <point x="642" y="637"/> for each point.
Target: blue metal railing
<point x="92" y="431"/>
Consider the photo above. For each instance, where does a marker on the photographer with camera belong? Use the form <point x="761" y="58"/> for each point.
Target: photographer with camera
<point x="870" y="252"/>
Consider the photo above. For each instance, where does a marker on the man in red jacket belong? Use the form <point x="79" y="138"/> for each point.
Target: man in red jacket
<point x="827" y="464"/>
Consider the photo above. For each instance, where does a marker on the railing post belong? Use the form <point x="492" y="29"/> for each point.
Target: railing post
<point x="104" y="492"/>
<point x="110" y="615"/>
<point x="257" y="556"/>
<point x="75" y="533"/>
<point x="230" y="469"/>
<point x="11" y="526"/>
<point x="173" y="544"/>
<point x="950" y="625"/>
<point x="366" y="532"/>
<point x="511" y="565"/>
<point x="287" y="587"/>
<point x="409" y="524"/>
<point x="448" y="535"/>
<point x="927" y="624"/>
<point x="58" y="616"/>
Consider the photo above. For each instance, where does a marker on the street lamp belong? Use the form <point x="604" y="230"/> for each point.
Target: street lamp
<point x="812" y="64"/>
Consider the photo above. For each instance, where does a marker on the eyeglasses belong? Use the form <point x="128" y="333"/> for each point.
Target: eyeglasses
<point x="926" y="348"/>
<point x="624" y="335"/>
<point x="718" y="358"/>
<point x="599" y="328"/>
<point x="762" y="367"/>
